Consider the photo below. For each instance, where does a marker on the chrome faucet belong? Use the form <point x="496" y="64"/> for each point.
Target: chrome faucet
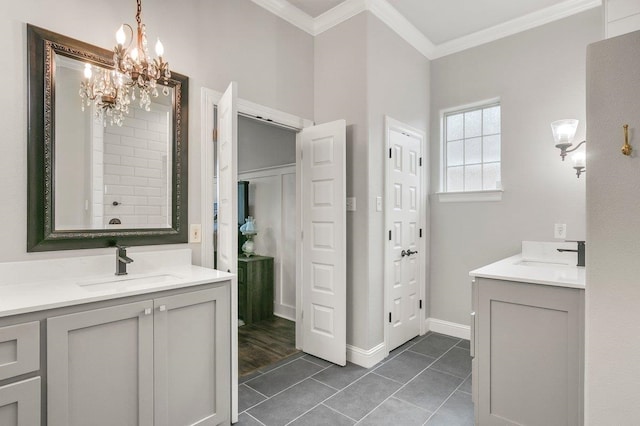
<point x="581" y="252"/>
<point x="122" y="260"/>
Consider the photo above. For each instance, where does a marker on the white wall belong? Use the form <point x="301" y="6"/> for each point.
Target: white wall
<point x="211" y="42"/>
<point x="363" y="71"/>
<point x="272" y="202"/>
<point x="613" y="234"/>
<point x="539" y="76"/>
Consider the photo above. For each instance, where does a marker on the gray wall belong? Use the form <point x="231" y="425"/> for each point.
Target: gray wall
<point x="211" y="42"/>
<point x="262" y="145"/>
<point x="539" y="76"/>
<point x="613" y="234"/>
<point x="363" y="71"/>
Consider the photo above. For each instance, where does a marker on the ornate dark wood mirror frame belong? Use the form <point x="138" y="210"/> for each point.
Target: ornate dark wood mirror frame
<point x="43" y="45"/>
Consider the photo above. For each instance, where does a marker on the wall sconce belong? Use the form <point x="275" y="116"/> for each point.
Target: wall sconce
<point x="563" y="133"/>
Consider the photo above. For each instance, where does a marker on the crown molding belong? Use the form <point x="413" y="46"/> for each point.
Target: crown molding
<point x="532" y="20"/>
<point x="289" y="13"/>
<point x="338" y="14"/>
<point x="405" y="29"/>
<point x="408" y="32"/>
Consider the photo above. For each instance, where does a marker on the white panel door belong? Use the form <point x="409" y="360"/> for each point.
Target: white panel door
<point x="403" y="207"/>
<point x="228" y="180"/>
<point x="323" y="228"/>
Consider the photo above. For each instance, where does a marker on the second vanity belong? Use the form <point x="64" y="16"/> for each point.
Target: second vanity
<point x="527" y="338"/>
<point x="79" y="345"/>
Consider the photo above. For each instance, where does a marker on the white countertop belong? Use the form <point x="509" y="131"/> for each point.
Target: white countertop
<point x="535" y="268"/>
<point x="53" y="283"/>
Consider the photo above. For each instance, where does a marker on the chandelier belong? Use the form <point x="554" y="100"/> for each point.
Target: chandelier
<point x="111" y="91"/>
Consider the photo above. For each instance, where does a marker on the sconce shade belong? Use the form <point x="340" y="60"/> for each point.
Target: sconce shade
<point x="579" y="159"/>
<point x="564" y="131"/>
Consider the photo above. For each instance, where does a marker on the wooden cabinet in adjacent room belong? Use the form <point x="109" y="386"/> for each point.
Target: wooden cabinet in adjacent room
<point x="255" y="288"/>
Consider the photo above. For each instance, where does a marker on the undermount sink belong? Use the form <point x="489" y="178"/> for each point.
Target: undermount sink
<point x="126" y="281"/>
<point x="541" y="264"/>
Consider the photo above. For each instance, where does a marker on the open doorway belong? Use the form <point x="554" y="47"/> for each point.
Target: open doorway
<point x="266" y="243"/>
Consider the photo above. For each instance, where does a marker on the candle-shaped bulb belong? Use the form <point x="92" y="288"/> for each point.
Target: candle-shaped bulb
<point x="579" y="159"/>
<point x="159" y="48"/>
<point x="87" y="71"/>
<point x="134" y="54"/>
<point x="120" y="36"/>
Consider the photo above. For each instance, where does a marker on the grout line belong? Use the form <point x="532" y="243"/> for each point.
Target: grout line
<point x="445" y="401"/>
<point x="322" y="383"/>
<point x="336" y="411"/>
<point x="256" y="391"/>
<point x="451" y="374"/>
<point x="323" y="403"/>
<point x="314" y="362"/>
<point x="280" y="366"/>
<point x="248" y="414"/>
<point x="287" y="388"/>
<point x="388" y="378"/>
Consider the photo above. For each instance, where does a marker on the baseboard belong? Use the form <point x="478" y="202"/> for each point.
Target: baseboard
<point x="366" y="358"/>
<point x="449" y="328"/>
<point x="286" y="312"/>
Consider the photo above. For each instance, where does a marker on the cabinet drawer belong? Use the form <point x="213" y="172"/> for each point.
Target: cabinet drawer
<point x="19" y="349"/>
<point x="20" y="403"/>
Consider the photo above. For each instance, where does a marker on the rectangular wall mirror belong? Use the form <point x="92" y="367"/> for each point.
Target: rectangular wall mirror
<point x="94" y="182"/>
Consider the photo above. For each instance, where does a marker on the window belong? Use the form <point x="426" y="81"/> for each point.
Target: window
<point x="471" y="147"/>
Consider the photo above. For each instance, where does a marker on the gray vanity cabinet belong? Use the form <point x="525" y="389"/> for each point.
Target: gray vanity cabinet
<point x="152" y="362"/>
<point x="528" y="348"/>
<point x="20" y="356"/>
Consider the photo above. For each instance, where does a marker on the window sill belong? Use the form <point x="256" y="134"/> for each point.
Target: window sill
<point x="470" y="196"/>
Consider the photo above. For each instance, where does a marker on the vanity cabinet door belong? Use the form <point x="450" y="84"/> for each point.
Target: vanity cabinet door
<point x="529" y="353"/>
<point x="100" y="367"/>
<point x="20" y="403"/>
<point x="192" y="358"/>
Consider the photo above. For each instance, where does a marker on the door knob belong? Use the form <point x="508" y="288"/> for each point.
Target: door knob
<point x="409" y="252"/>
<point x="403" y="253"/>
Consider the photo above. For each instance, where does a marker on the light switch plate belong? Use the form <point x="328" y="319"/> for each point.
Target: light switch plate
<point x="195" y="232"/>
<point x="351" y="204"/>
<point x="560" y="230"/>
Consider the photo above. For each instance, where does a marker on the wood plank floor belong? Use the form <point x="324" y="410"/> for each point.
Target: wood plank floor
<point x="263" y="343"/>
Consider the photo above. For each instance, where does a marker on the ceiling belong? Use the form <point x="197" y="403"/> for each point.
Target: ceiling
<point x="435" y="27"/>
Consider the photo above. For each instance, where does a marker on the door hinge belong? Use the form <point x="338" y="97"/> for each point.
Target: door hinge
<point x="420" y="232"/>
<point x="420" y="303"/>
<point x="389" y="316"/>
<point x="389" y="152"/>
<point x="389" y="235"/>
<point x="420" y="162"/>
<point x="215" y="135"/>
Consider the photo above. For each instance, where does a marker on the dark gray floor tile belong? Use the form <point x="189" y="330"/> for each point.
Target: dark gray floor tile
<point x="457" y="362"/>
<point x="323" y="415"/>
<point x="396" y="412"/>
<point x="248" y="397"/>
<point x="358" y="399"/>
<point x="321" y="362"/>
<point x="281" y="362"/>
<point x="429" y="389"/>
<point x="457" y="411"/>
<point x="248" y="377"/>
<point x="404" y="367"/>
<point x="292" y="403"/>
<point x="464" y="344"/>
<point x="466" y="386"/>
<point x="279" y="379"/>
<point x="434" y="345"/>
<point x="400" y="349"/>
<point x="340" y="377"/>
<point x="246" y="420"/>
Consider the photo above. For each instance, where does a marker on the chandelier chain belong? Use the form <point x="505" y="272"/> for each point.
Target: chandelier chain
<point x="139" y="12"/>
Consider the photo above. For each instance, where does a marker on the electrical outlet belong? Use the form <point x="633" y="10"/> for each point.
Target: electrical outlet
<point x="195" y="233"/>
<point x="560" y="230"/>
<point x="351" y="204"/>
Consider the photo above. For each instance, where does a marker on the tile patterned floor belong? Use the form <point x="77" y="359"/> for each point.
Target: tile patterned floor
<point x="426" y="381"/>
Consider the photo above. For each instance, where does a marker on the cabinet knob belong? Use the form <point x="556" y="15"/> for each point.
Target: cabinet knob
<point x="147" y="311"/>
<point x="162" y="308"/>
